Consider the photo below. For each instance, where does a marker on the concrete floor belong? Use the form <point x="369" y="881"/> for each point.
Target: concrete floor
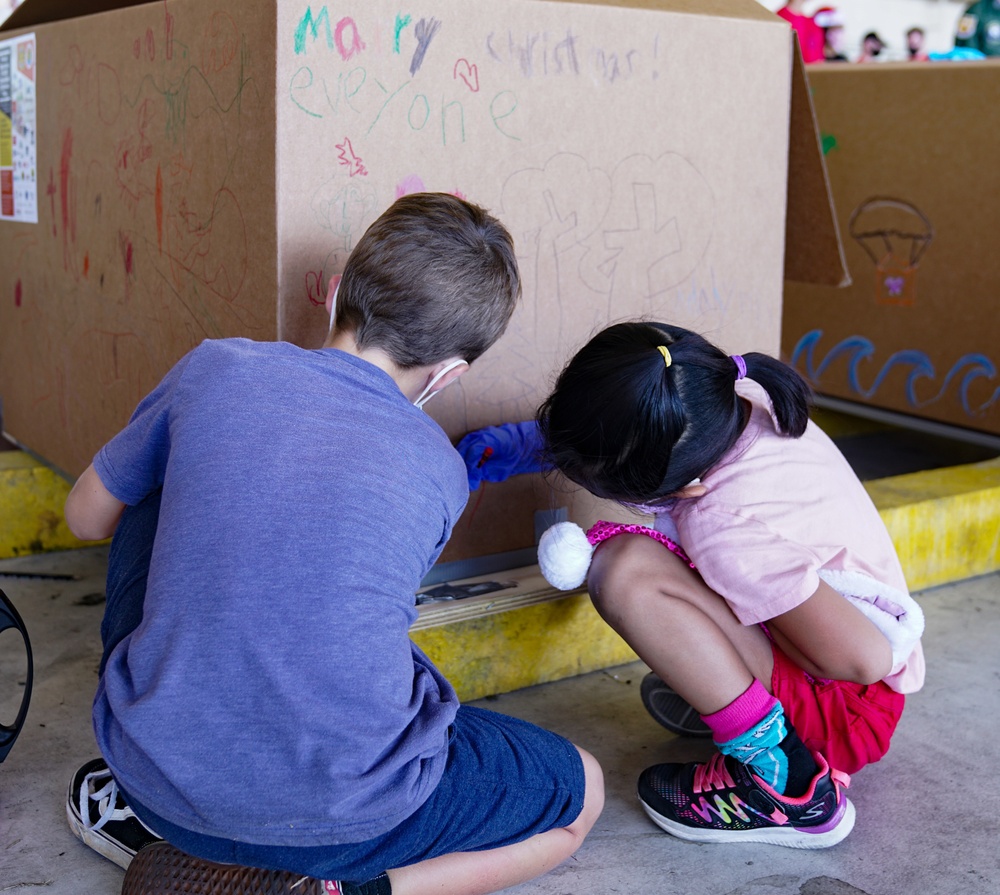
<point x="927" y="814"/>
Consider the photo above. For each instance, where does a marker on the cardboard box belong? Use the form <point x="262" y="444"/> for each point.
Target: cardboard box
<point x="912" y="158"/>
<point x="204" y="168"/>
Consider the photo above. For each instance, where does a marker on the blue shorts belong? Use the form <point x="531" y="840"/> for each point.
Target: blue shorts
<point x="505" y="781"/>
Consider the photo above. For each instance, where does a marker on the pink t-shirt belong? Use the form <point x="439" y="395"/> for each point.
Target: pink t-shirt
<point x="782" y="513"/>
<point x="811" y="38"/>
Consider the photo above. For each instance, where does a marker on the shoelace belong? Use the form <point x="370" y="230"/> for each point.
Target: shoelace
<point x="329" y="885"/>
<point x="713" y="775"/>
<point x="106" y="798"/>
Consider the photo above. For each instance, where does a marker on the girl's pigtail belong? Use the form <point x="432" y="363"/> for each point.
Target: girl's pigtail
<point x="790" y="394"/>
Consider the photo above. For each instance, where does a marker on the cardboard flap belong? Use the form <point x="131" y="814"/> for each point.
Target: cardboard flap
<point x="38" y="12"/>
<point x="814" y="252"/>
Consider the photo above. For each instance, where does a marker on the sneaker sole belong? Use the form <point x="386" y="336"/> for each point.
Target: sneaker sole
<point x="101" y="844"/>
<point x="161" y="869"/>
<point x="670" y="710"/>
<point x="790" y="837"/>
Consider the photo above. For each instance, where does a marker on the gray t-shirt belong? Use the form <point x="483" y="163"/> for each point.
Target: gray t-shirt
<point x="271" y="693"/>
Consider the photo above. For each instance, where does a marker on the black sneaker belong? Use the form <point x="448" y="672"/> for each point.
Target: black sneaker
<point x="671" y="710"/>
<point x="99" y="817"/>
<point x="721" y="800"/>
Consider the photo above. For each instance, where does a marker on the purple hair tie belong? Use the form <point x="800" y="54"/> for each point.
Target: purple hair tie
<point x="741" y="365"/>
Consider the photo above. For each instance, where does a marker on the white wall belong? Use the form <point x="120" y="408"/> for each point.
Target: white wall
<point x="892" y="19"/>
<point x="7" y="7"/>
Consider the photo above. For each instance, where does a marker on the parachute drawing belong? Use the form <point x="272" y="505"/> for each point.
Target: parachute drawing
<point x="895" y="235"/>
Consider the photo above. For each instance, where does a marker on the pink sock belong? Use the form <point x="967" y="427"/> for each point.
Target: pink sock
<point x="744" y="712"/>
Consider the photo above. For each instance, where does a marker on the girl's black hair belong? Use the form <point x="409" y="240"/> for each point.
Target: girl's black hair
<point x="628" y="427"/>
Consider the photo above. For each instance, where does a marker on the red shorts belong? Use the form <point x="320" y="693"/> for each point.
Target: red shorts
<point x="851" y="724"/>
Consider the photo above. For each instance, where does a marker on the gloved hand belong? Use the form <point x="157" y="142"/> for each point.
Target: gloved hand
<point x="495" y="453"/>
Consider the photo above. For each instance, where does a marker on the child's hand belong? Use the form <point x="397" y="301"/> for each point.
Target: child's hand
<point x="495" y="453"/>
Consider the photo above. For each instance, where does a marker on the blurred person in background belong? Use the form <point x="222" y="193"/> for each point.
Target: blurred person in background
<point x="915" y="51"/>
<point x="871" y="47"/>
<point x="809" y="33"/>
<point x="979" y="28"/>
<point x="832" y="25"/>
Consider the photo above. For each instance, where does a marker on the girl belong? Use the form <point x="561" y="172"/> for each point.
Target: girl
<point x="778" y="611"/>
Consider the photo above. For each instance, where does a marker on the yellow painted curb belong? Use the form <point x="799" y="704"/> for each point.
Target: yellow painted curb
<point x="548" y="641"/>
<point x="945" y="523"/>
<point x="31" y="507"/>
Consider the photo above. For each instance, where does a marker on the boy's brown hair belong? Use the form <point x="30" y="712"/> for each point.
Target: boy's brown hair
<point x="434" y="277"/>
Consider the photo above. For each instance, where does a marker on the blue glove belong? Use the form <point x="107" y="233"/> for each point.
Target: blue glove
<point x="495" y="453"/>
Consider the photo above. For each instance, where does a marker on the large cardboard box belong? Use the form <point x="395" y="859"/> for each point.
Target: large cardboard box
<point x="913" y="153"/>
<point x="203" y="169"/>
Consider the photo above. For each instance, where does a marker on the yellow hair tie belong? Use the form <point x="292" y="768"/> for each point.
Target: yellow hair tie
<point x="666" y="354"/>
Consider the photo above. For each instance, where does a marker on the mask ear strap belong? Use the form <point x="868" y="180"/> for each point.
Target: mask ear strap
<point x="427" y="393"/>
<point x="333" y="303"/>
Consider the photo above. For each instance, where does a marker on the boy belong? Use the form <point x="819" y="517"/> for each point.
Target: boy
<point x="260" y="702"/>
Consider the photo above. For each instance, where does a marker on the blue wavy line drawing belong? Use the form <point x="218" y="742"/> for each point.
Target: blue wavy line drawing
<point x="858" y="349"/>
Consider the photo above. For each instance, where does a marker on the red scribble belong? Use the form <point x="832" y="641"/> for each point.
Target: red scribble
<point x="479" y="500"/>
<point x="458" y="194"/>
<point x="159" y="209"/>
<point x="150" y="45"/>
<point x="350" y="160"/>
<point x="468" y="72"/>
<point x="194" y="244"/>
<point x="137" y="48"/>
<point x="168" y="27"/>
<point x="127" y="253"/>
<point x="51" y="192"/>
<point x="357" y="44"/>
<point x="222" y="42"/>
<point x="132" y="153"/>
<point x="86" y="264"/>
<point x="314" y="288"/>
<point x="144" y="118"/>
<point x="67" y="197"/>
<point x="18" y="292"/>
<point x="127" y="173"/>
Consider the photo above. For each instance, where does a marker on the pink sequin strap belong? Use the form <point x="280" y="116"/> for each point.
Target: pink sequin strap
<point x="602" y="530"/>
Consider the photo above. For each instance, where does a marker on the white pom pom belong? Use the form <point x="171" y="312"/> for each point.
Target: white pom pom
<point x="564" y="555"/>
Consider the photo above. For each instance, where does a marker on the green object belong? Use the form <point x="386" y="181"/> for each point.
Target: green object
<point x="979" y="27"/>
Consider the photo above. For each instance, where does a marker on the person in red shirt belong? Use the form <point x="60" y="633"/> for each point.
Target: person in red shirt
<point x="810" y="34"/>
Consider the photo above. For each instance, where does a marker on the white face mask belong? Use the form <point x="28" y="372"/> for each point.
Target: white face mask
<point x="427" y="394"/>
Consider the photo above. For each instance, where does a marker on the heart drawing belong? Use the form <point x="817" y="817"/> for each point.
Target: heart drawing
<point x="468" y="73"/>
